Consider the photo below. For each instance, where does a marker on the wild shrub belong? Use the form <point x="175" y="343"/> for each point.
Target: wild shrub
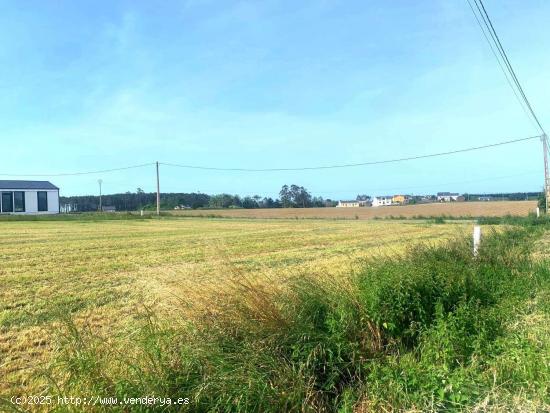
<point x="403" y="293"/>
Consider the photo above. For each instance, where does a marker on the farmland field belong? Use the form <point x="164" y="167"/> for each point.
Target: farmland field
<point x="454" y="209"/>
<point x="103" y="272"/>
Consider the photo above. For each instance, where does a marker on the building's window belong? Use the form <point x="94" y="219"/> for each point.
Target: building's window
<point x="19" y="201"/>
<point x="7" y="201"/>
<point x="42" y="201"/>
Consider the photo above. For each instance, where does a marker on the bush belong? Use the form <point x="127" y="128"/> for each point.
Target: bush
<point x="402" y="294"/>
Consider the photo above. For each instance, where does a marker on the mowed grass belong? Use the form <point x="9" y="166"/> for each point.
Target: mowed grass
<point x="451" y="209"/>
<point x="104" y="272"/>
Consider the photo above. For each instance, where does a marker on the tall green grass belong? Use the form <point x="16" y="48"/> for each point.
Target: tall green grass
<point x="434" y="329"/>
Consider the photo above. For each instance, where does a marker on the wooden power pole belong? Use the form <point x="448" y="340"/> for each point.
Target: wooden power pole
<point x="544" y="139"/>
<point x="158" y="190"/>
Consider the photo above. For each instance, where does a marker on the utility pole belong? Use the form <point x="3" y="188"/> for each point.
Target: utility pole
<point x="100" y="181"/>
<point x="544" y="139"/>
<point x="158" y="190"/>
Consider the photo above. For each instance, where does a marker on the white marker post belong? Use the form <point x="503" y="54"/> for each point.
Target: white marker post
<point x="142" y="212"/>
<point x="538" y="212"/>
<point x="477" y="238"/>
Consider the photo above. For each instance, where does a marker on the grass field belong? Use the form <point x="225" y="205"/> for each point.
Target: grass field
<point x="102" y="272"/>
<point x="454" y="209"/>
<point x="240" y="315"/>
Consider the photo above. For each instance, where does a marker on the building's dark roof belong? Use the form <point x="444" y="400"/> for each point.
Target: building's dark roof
<point x="447" y="194"/>
<point x="26" y="185"/>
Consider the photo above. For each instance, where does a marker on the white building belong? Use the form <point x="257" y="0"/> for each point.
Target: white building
<point x="28" y="197"/>
<point x="382" y="200"/>
<point x="353" y="204"/>
<point x="347" y="204"/>
<point x="447" y="197"/>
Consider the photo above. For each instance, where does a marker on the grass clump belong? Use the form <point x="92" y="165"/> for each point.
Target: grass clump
<point x="433" y="329"/>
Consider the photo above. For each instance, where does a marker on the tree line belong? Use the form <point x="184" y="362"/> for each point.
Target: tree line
<point x="292" y="196"/>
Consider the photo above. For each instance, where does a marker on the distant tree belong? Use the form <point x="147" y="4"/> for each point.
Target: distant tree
<point x="290" y="196"/>
<point x="286" y="197"/>
<point x="249" y="203"/>
<point x="139" y="193"/>
<point x="225" y="201"/>
<point x="269" y="202"/>
<point x="318" y="202"/>
<point x="294" y="193"/>
<point x="301" y="198"/>
<point x="304" y="198"/>
<point x="133" y="201"/>
<point x="237" y="202"/>
<point x="295" y="197"/>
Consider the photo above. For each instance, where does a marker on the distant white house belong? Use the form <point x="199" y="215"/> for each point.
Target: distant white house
<point x="28" y="197"/>
<point x="447" y="197"/>
<point x="382" y="200"/>
<point x="348" y="204"/>
<point x="354" y="204"/>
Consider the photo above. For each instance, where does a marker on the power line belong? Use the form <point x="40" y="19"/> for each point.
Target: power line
<point x="512" y="71"/>
<point x="506" y="76"/>
<point x="349" y="191"/>
<point x="491" y="29"/>
<point x="350" y="165"/>
<point x="84" y="173"/>
<point x="398" y="188"/>
<point x="489" y="24"/>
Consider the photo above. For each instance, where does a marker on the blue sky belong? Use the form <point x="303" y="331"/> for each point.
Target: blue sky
<point x="97" y="85"/>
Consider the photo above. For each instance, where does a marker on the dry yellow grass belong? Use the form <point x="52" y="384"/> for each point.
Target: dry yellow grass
<point x="102" y="272"/>
<point x="453" y="209"/>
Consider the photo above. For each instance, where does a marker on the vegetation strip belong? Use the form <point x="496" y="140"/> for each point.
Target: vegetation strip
<point x="432" y="329"/>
